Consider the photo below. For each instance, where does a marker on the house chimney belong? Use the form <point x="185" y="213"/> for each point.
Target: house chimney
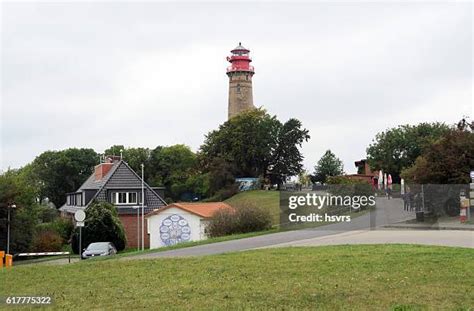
<point x="103" y="168"/>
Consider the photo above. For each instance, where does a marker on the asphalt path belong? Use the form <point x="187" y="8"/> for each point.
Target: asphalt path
<point x="453" y="238"/>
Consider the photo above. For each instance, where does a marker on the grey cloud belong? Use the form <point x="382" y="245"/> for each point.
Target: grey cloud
<point x="147" y="74"/>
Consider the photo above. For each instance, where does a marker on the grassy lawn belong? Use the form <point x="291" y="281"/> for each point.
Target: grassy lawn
<point x="267" y="199"/>
<point x="363" y="277"/>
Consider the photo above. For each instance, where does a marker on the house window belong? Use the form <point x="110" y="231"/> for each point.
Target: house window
<point x="125" y="198"/>
<point x="132" y="197"/>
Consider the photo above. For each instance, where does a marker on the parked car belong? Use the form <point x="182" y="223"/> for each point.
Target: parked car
<point x="99" y="249"/>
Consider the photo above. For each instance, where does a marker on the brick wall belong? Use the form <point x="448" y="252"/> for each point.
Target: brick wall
<point x="130" y="225"/>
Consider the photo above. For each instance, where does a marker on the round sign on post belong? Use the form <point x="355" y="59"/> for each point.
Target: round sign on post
<point x="80" y="215"/>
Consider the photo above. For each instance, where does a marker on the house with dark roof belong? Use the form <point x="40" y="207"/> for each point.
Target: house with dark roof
<point x="115" y="182"/>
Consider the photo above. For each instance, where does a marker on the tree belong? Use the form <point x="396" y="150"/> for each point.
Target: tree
<point x="102" y="224"/>
<point x="397" y="148"/>
<point x="246" y="141"/>
<point x="287" y="158"/>
<point x="171" y="167"/>
<point x="446" y="161"/>
<point x="328" y="165"/>
<point x="220" y="175"/>
<point x="58" y="172"/>
<point x="15" y="190"/>
<point x="304" y="178"/>
<point x="256" y="145"/>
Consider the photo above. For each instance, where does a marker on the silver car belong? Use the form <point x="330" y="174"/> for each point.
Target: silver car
<point x="99" y="249"/>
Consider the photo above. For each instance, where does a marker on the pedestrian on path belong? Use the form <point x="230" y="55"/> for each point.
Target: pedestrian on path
<point x="406" y="202"/>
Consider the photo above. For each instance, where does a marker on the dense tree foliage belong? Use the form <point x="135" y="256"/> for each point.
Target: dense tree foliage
<point x="16" y="190"/>
<point x="287" y="160"/>
<point x="257" y="145"/>
<point x="247" y="140"/>
<point x="56" y="173"/>
<point x="328" y="165"/>
<point x="446" y="161"/>
<point x="397" y="148"/>
<point x="101" y="225"/>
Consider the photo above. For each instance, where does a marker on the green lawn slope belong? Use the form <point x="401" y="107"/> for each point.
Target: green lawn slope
<point x="267" y="199"/>
<point x="362" y="277"/>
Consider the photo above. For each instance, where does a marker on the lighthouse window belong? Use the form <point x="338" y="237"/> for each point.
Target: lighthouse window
<point x="238" y="88"/>
<point x="246" y="77"/>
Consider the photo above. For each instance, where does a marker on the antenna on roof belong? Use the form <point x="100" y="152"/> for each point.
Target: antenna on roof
<point x="121" y="154"/>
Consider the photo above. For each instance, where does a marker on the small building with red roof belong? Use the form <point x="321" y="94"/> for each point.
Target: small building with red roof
<point x="181" y="222"/>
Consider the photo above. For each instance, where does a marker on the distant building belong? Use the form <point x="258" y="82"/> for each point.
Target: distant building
<point x="240" y="75"/>
<point x="181" y="222"/>
<point x="364" y="172"/>
<point x="115" y="182"/>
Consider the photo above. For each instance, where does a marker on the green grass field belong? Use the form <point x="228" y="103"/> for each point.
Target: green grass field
<point x="378" y="277"/>
<point x="267" y="199"/>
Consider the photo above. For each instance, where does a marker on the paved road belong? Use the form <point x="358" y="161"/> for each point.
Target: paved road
<point x="426" y="237"/>
<point x="388" y="211"/>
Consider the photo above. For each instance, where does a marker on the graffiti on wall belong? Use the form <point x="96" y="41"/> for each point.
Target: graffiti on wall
<point x="174" y="229"/>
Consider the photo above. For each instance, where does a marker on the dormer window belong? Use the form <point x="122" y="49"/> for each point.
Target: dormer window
<point x="125" y="198"/>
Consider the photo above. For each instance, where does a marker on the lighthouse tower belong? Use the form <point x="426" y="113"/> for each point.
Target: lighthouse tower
<point x="240" y="81"/>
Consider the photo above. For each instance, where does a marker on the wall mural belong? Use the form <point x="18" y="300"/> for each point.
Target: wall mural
<point x="174" y="229"/>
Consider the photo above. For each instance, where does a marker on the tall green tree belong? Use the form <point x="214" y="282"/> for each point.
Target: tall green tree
<point x="172" y="167"/>
<point x="16" y="190"/>
<point x="59" y="172"/>
<point x="397" y="148"/>
<point x="287" y="159"/>
<point x="328" y="165"/>
<point x="247" y="140"/>
<point x="257" y="145"/>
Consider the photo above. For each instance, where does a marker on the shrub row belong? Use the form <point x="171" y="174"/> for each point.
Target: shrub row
<point x="244" y="217"/>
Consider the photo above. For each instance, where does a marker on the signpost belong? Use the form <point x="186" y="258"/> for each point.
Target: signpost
<point x="80" y="216"/>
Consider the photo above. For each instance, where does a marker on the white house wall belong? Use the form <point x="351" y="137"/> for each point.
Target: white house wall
<point x="155" y="223"/>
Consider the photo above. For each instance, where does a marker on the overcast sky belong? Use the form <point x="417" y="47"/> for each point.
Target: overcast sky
<point x="148" y="74"/>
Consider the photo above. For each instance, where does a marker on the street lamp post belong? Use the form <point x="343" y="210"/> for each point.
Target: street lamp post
<point x="143" y="209"/>
<point x="8" y="227"/>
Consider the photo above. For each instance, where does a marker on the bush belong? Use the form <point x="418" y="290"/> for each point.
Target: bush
<point x="245" y="217"/>
<point x="223" y="222"/>
<point x="47" y="241"/>
<point x="101" y="225"/>
<point x="61" y="226"/>
<point x="47" y="214"/>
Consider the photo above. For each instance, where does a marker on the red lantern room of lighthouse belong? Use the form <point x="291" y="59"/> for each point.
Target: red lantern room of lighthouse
<point x="240" y="75"/>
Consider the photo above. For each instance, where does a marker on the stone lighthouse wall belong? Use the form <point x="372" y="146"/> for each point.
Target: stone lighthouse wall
<point x="240" y="92"/>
